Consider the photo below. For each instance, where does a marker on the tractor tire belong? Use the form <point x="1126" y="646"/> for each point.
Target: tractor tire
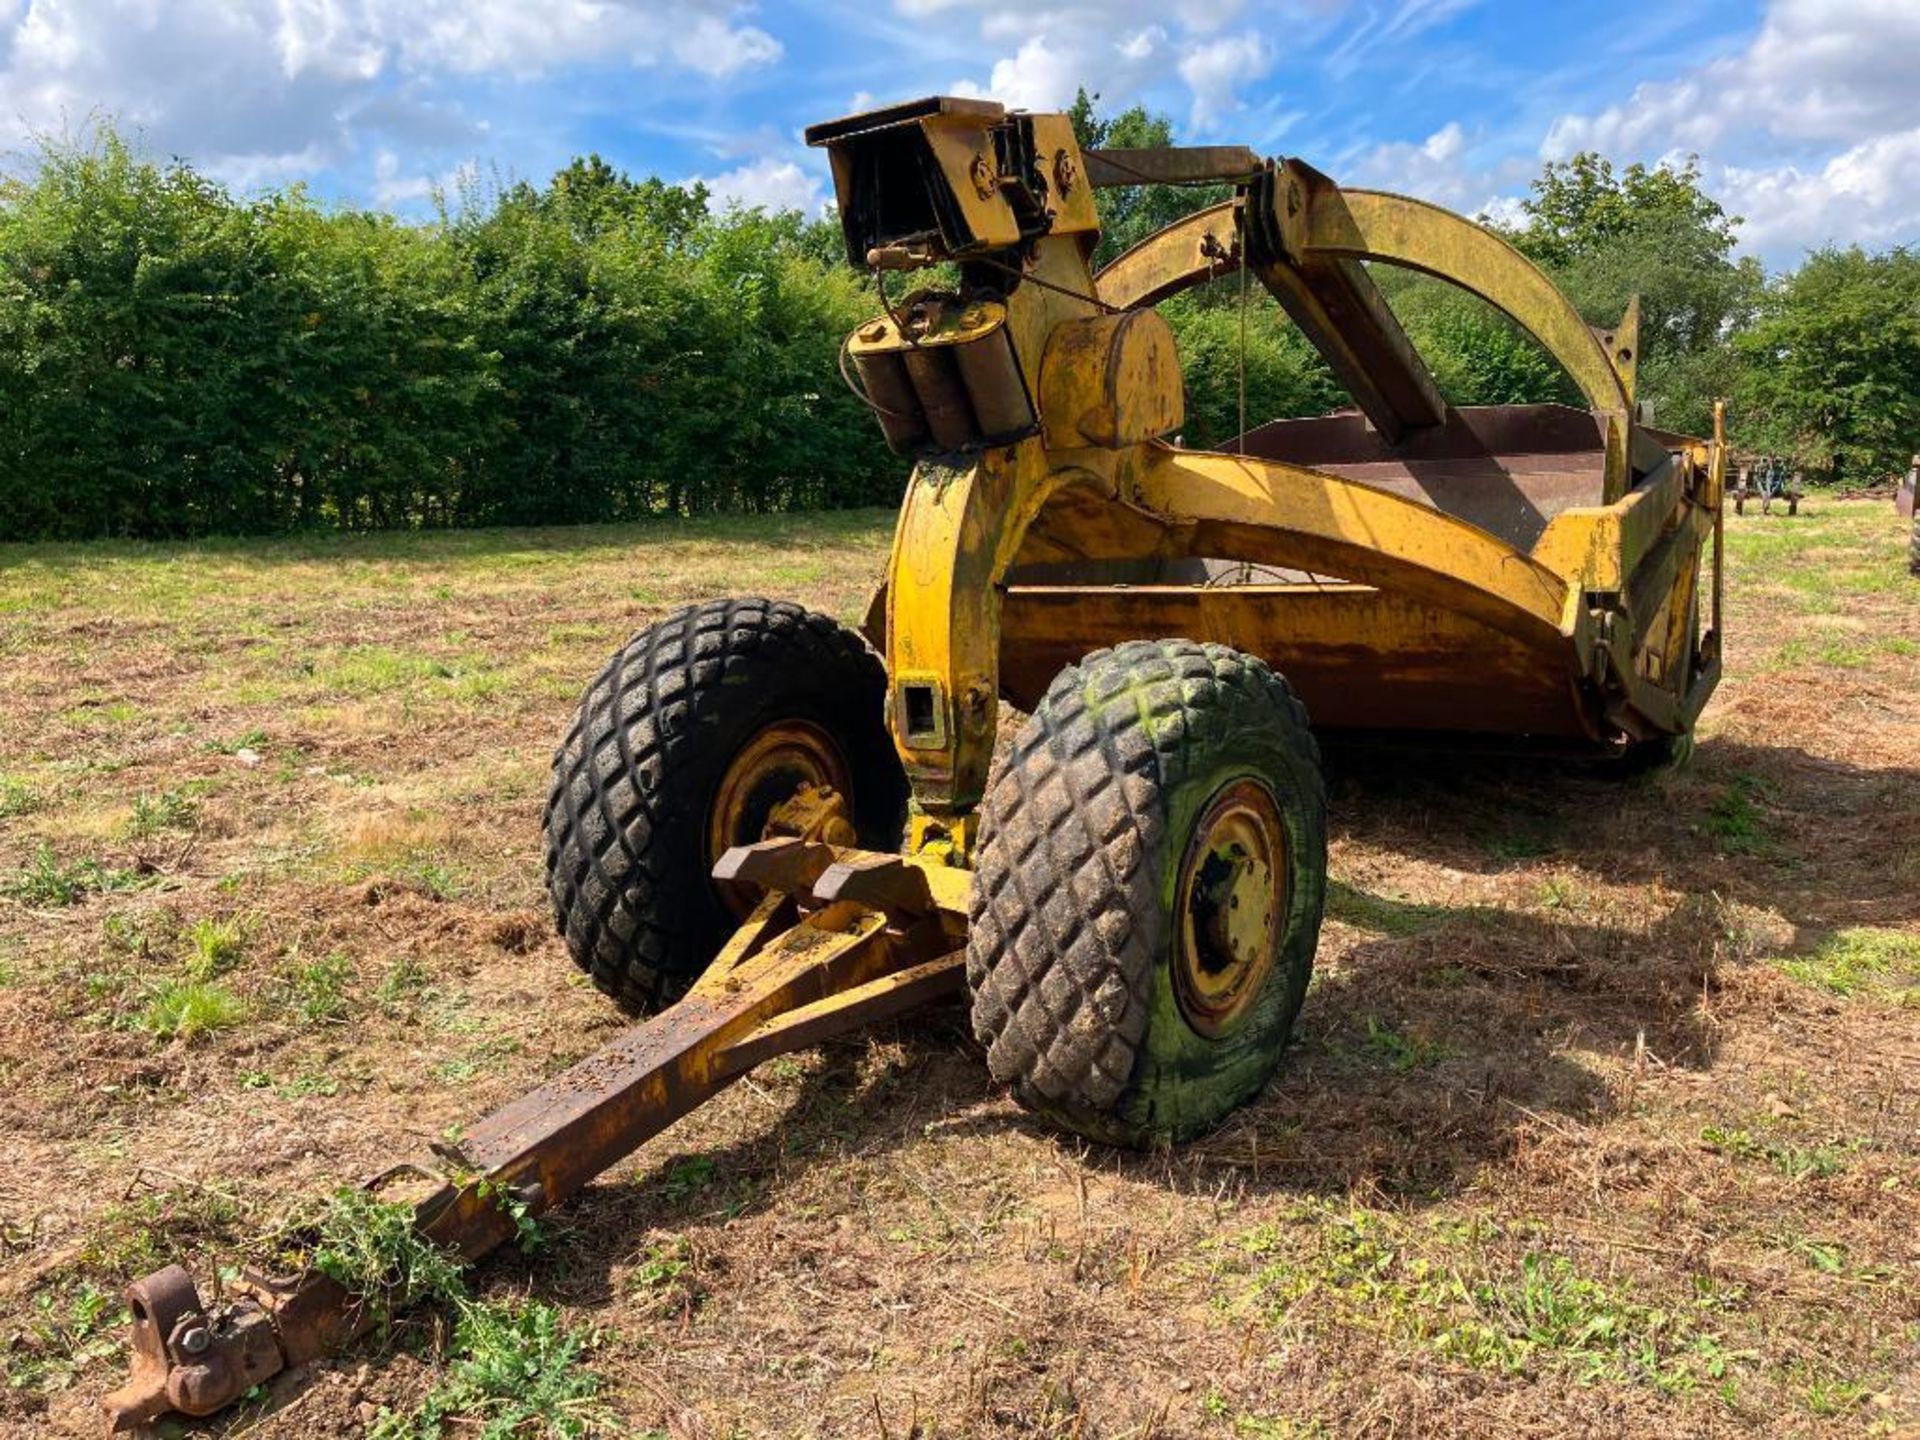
<point x="1664" y="754"/>
<point x="680" y="748"/>
<point x="1156" y="786"/>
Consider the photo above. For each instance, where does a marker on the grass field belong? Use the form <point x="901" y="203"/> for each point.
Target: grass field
<point x="1604" y="1116"/>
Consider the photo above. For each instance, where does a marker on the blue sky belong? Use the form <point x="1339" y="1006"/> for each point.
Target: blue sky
<point x="1805" y="113"/>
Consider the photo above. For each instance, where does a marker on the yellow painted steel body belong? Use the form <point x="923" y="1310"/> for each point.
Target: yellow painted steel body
<point x="1524" y="574"/>
<point x="1387" y="580"/>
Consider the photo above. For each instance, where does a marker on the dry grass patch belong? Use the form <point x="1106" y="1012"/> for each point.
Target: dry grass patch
<point x="1602" y="1118"/>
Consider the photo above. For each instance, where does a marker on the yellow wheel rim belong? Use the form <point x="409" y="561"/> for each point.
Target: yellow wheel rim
<point x="771" y="768"/>
<point x="1230" y="906"/>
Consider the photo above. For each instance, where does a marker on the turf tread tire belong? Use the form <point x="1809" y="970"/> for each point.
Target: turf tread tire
<point x="631" y="783"/>
<point x="1068" y="924"/>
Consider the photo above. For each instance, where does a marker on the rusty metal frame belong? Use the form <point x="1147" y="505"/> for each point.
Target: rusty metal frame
<point x="1318" y="234"/>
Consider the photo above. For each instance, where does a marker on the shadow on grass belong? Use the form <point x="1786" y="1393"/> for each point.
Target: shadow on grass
<point x="1440" y="1034"/>
<point x="1822" y="842"/>
<point x="847" y="1106"/>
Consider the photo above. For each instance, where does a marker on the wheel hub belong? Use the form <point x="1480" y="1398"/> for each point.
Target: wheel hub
<point x="1230" y="906"/>
<point x="775" y="765"/>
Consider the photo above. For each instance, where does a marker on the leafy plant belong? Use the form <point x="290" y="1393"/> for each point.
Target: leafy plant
<point x="17" y="798"/>
<point x="46" y="882"/>
<point x="1735" y="821"/>
<point x="370" y="1246"/>
<point x="514" y="1368"/>
<point x="68" y="1330"/>
<point x="319" y="989"/>
<point x="516" y="1371"/>
<point x="1400" y="1050"/>
<point x="166" y="810"/>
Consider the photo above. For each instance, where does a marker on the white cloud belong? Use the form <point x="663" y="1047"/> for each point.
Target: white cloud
<point x="1142" y="44"/>
<point x="1819" y="70"/>
<point x="1812" y="132"/>
<point x="1444" y="169"/>
<point x="768" y="183"/>
<point x="1868" y="194"/>
<point x="394" y="185"/>
<point x="1216" y="70"/>
<point x="1119" y="49"/>
<point x="1415" y="17"/>
<point x="258" y="90"/>
<point x="1038" y="76"/>
<point x="1431" y="169"/>
<point x="1377" y="35"/>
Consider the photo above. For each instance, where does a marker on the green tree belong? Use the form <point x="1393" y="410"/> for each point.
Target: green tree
<point x="1831" y="370"/>
<point x="1130" y="213"/>
<point x="1284" y="374"/>
<point x="129" y="298"/>
<point x="1606" y="235"/>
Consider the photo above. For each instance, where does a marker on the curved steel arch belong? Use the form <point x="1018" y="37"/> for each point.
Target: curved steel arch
<point x="1391" y="229"/>
<point x="1200" y="247"/>
<point x="1374" y="225"/>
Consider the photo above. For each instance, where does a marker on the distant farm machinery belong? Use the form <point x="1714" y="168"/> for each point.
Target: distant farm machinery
<point x="1904" y="505"/>
<point x="780" y="829"/>
<point x="1768" y="479"/>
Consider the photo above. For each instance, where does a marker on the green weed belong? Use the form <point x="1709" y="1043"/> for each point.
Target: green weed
<point x="404" y="982"/>
<point x="147" y="1229"/>
<point x="93" y="714"/>
<point x="1824" y="1256"/>
<point x="1551" y="1310"/>
<point x="214" y="947"/>
<point x="1398" y="1051"/>
<point x="1561" y="892"/>
<point x="295" y="1089"/>
<point x="1518" y="845"/>
<point x="515" y="1369"/>
<point x="687" y="1178"/>
<point x="1735" y="821"/>
<point x="68" y="1330"/>
<point x="1793" y="1161"/>
<point x="371" y="1248"/>
<point x="1362" y="1269"/>
<point x="517" y="1372"/>
<point x="440" y="881"/>
<point x="167" y="810"/>
<point x="318" y="989"/>
<point x="47" y="883"/>
<point x="17" y="798"/>
<point x="1835" y="1397"/>
<point x="660" y="1266"/>
<point x="1850" y="962"/>
<point x="253" y="740"/>
<point x="462" y="1068"/>
<point x="187" y="1009"/>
